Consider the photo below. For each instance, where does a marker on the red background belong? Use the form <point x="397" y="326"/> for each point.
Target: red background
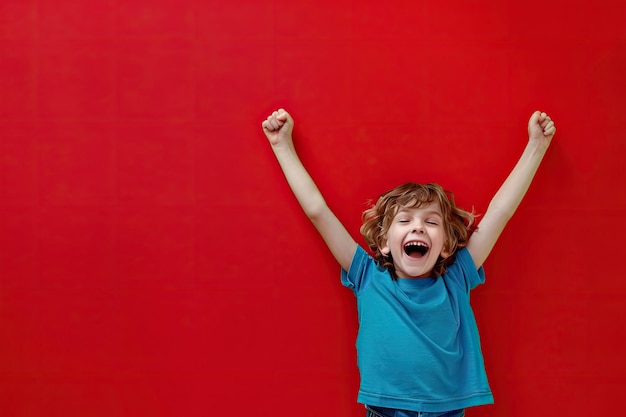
<point x="153" y="261"/>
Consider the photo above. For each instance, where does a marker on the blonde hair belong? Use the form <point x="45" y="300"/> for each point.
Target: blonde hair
<point x="377" y="220"/>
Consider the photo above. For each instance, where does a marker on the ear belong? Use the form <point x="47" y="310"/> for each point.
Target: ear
<point x="385" y="250"/>
<point x="445" y="253"/>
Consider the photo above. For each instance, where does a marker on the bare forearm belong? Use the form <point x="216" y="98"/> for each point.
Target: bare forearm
<point x="506" y="201"/>
<point x="300" y="182"/>
<point x="541" y="129"/>
<point x="278" y="128"/>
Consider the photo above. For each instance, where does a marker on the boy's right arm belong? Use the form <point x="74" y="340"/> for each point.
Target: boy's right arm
<point x="278" y="128"/>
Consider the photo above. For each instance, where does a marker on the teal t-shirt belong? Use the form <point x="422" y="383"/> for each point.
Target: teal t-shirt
<point x="418" y="345"/>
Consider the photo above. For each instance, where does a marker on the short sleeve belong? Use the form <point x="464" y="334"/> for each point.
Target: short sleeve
<point x="357" y="277"/>
<point x="464" y="267"/>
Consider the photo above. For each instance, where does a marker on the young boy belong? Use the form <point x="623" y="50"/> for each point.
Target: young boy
<point x="418" y="345"/>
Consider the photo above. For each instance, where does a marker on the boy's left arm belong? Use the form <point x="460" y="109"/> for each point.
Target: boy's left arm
<point x="541" y="129"/>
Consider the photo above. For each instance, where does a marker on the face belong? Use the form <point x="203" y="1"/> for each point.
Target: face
<point x="415" y="240"/>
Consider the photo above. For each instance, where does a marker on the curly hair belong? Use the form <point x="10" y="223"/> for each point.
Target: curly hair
<point x="378" y="218"/>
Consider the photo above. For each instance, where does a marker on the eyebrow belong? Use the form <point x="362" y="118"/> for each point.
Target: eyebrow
<point x="408" y="210"/>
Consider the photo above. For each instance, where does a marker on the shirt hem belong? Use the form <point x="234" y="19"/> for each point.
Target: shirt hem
<point x="428" y="406"/>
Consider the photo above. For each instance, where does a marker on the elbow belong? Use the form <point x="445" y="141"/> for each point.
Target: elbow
<point x="499" y="214"/>
<point x="504" y="206"/>
<point x="317" y="212"/>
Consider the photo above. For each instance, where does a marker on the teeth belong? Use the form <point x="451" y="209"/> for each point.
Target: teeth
<point x="416" y="249"/>
<point x="422" y="244"/>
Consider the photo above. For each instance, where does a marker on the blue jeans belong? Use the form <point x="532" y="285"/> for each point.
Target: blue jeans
<point x="391" y="412"/>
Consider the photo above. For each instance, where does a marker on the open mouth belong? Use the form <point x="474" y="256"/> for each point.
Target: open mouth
<point x="415" y="250"/>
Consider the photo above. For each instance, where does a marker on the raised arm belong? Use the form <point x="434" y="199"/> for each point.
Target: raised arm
<point x="279" y="128"/>
<point x="541" y="129"/>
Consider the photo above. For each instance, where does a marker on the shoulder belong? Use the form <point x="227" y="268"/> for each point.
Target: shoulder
<point x="463" y="270"/>
<point x="362" y="268"/>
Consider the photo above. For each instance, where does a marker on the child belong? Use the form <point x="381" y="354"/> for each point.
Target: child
<point x="418" y="345"/>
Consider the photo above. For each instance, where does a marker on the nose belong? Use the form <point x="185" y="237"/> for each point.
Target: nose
<point x="418" y="227"/>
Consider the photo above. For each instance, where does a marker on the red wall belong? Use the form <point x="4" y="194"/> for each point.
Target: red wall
<point x="153" y="261"/>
